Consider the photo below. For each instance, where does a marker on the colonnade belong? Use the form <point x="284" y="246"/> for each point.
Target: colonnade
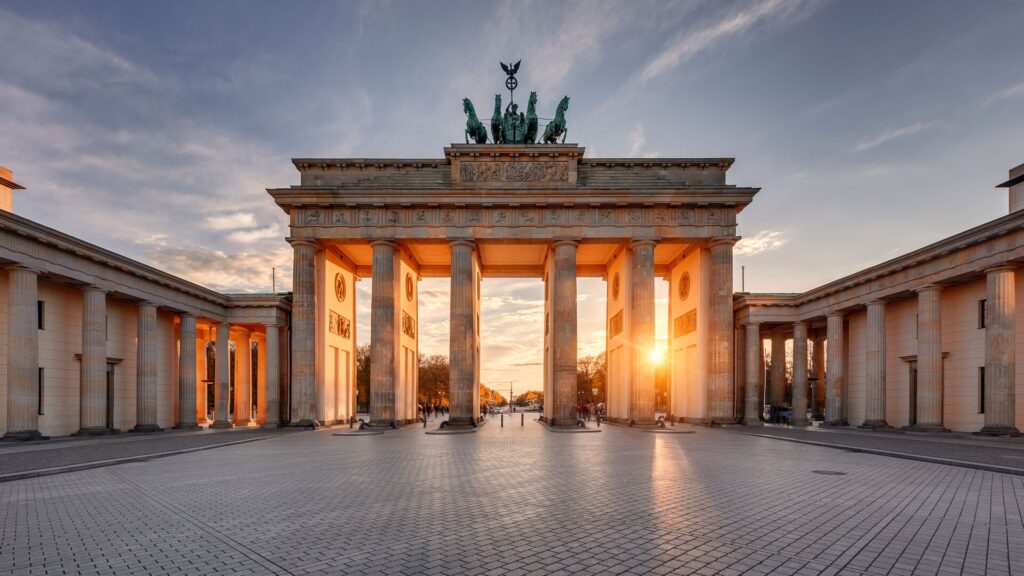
<point x="23" y="386"/>
<point x="999" y="370"/>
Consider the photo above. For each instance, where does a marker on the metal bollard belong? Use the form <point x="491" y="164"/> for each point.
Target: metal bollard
<point x="502" y="419"/>
<point x="522" y="419"/>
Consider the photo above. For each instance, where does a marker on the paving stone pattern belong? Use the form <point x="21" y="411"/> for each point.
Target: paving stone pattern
<point x="516" y="500"/>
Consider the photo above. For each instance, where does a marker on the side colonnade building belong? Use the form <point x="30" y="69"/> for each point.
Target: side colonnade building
<point x="932" y="340"/>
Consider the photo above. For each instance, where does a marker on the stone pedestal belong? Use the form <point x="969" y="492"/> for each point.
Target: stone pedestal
<point x="641" y="405"/>
<point x="462" y="338"/>
<point x="835" y="367"/>
<point x="272" y="377"/>
<point x="874" y="368"/>
<point x="221" y="392"/>
<point x="22" y="356"/>
<point x="564" y="326"/>
<point x="145" y="371"/>
<point x="754" y="376"/>
<point x="93" y="398"/>
<point x="303" y="360"/>
<point x="929" y="359"/>
<point x="799" y="375"/>
<point x="383" y="320"/>
<point x="187" y="372"/>
<point x="1000" y="364"/>
<point x="720" y="334"/>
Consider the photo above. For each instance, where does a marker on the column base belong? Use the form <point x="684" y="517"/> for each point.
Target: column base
<point x="834" y="423"/>
<point x="800" y="423"/>
<point x="270" y="425"/>
<point x="96" y="431"/>
<point x="221" y="425"/>
<point x="753" y="423"/>
<point x="926" y="428"/>
<point x="874" y="425"/>
<point x="146" y="428"/>
<point x="305" y="423"/>
<point x="244" y="423"/>
<point x="461" y="421"/>
<point x="188" y="427"/>
<point x="23" y="436"/>
<point x="999" y="431"/>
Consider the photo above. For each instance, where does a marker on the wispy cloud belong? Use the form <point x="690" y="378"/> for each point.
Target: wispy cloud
<point x="638" y="143"/>
<point x="761" y="242"/>
<point x="701" y="38"/>
<point x="1015" y="91"/>
<point x="892" y="135"/>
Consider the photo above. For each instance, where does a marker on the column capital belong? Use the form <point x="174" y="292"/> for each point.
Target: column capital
<point x="1001" y="268"/>
<point x="876" y="302"/>
<point x="186" y="315"/>
<point x="801" y="323"/>
<point x="296" y="242"/>
<point x="564" y="241"/>
<point x="94" y="288"/>
<point x="143" y="304"/>
<point x="834" y="314"/>
<point x="384" y="242"/>
<point x="929" y="288"/>
<point x="22" y="268"/>
<point x="462" y="242"/>
<point x="722" y="240"/>
<point x="749" y="324"/>
<point x="271" y="324"/>
<point x="643" y="242"/>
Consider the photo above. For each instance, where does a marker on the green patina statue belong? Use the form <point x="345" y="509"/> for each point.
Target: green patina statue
<point x="474" y="128"/>
<point x="557" y="127"/>
<point x="512" y="126"/>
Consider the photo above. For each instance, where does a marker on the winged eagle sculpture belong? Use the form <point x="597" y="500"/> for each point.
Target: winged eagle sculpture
<point x="511" y="70"/>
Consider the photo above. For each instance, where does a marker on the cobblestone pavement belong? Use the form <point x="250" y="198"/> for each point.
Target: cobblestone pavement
<point x="18" y="457"/>
<point x="516" y="500"/>
<point x="965" y="448"/>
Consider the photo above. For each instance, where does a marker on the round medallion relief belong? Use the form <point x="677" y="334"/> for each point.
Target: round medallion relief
<point x="615" y="287"/>
<point x="409" y="289"/>
<point x="339" y="287"/>
<point x="684" y="286"/>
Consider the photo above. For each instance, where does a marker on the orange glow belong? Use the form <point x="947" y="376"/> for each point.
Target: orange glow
<point x="657" y="355"/>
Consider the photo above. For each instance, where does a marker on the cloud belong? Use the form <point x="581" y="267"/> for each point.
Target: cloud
<point x="694" y="41"/>
<point x="1007" y="93"/>
<point x="223" y="271"/>
<point x="231" y="221"/>
<point x="761" y="242"/>
<point x="893" y="135"/>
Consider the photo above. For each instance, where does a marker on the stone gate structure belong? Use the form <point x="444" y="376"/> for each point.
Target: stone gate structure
<point x="512" y="211"/>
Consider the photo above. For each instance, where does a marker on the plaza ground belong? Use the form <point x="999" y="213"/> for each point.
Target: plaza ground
<point x="515" y="500"/>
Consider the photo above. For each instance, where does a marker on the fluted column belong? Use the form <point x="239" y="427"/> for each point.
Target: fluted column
<point x="777" y="371"/>
<point x="145" y="370"/>
<point x="93" y="391"/>
<point x="222" y="366"/>
<point x="22" y="355"/>
<point x="462" y="337"/>
<point x="720" y="328"/>
<point x="1000" y="366"/>
<point x="187" y="371"/>
<point x="383" y="318"/>
<point x="271" y="378"/>
<point x="835" y="367"/>
<point x="752" y="413"/>
<point x="303" y="361"/>
<point x="564" y="335"/>
<point x="641" y="408"/>
<point x="818" y="361"/>
<point x="243" y="377"/>
<point x="874" y="365"/>
<point x="929" y="358"/>
<point x="799" y="375"/>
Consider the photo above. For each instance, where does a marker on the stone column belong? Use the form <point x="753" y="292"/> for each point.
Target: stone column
<point x="777" y="372"/>
<point x="462" y="339"/>
<point x="145" y="370"/>
<point x="752" y="415"/>
<point x="818" y="359"/>
<point x="1000" y="365"/>
<point x="383" y="319"/>
<point x="800" y="374"/>
<point x="720" y="328"/>
<point x="271" y="378"/>
<point x="303" y="361"/>
<point x="93" y="391"/>
<point x="23" y="355"/>
<point x="222" y="365"/>
<point x="564" y="335"/>
<point x="874" y="393"/>
<point x="835" y="366"/>
<point x="243" y="377"/>
<point x="641" y="407"/>
<point x="187" y="372"/>
<point x="929" y="358"/>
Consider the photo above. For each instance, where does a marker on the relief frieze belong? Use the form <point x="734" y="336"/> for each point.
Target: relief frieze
<point x="339" y="325"/>
<point x="513" y="172"/>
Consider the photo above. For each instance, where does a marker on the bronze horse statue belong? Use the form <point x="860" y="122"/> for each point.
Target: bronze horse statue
<point x="497" y="135"/>
<point x="531" y="119"/>
<point x="474" y="128"/>
<point x="557" y="127"/>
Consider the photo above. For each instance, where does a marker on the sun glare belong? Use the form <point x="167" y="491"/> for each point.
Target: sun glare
<point x="657" y="355"/>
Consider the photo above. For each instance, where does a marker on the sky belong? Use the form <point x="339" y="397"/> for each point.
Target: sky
<point x="153" y="129"/>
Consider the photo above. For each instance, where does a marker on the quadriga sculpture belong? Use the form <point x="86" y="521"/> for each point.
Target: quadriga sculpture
<point x="474" y="128"/>
<point x="557" y="127"/>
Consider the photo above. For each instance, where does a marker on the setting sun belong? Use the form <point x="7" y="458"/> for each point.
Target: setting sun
<point x="657" y="355"/>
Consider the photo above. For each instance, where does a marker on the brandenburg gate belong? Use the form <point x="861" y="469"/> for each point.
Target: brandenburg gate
<point x="513" y="210"/>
